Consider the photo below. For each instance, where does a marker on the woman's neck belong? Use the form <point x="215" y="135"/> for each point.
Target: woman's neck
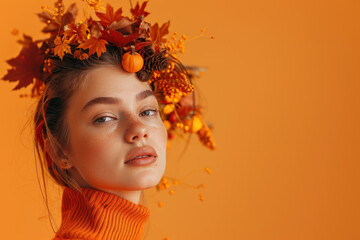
<point x="132" y="196"/>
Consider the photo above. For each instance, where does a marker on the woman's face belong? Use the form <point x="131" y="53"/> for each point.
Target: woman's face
<point x="111" y="116"/>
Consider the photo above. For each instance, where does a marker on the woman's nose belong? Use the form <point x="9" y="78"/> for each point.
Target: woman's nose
<point x="136" y="130"/>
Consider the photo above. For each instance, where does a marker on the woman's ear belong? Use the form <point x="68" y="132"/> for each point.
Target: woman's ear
<point x="61" y="161"/>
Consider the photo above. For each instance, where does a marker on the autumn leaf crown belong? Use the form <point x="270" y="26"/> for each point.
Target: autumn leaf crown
<point x="80" y="40"/>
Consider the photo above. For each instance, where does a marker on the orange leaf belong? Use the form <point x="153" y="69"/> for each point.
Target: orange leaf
<point x="61" y="47"/>
<point x="107" y="18"/>
<point x="77" y="32"/>
<point x="139" y="11"/>
<point x="157" y="35"/>
<point x="94" y="45"/>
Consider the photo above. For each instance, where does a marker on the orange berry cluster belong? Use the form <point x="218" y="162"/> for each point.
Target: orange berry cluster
<point x="172" y="84"/>
<point x="174" y="45"/>
<point x="165" y="184"/>
<point x="206" y="138"/>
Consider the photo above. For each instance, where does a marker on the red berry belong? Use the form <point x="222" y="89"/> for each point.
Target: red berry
<point x="172" y="117"/>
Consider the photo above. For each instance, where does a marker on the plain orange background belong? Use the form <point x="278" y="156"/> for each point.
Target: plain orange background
<point x="282" y="92"/>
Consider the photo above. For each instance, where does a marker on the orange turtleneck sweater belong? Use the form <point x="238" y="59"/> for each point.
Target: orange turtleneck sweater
<point x="100" y="216"/>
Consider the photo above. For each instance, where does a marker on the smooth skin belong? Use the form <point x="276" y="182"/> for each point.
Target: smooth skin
<point x="103" y="133"/>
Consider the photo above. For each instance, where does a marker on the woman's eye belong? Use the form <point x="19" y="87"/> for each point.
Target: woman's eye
<point x="103" y="119"/>
<point x="149" y="112"/>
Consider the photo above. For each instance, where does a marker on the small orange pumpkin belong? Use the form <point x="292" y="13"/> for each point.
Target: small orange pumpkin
<point x="132" y="61"/>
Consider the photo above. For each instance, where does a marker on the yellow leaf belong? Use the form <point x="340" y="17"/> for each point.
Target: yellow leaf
<point x="61" y="47"/>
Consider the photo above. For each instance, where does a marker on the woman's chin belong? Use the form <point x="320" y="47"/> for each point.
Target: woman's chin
<point x="146" y="183"/>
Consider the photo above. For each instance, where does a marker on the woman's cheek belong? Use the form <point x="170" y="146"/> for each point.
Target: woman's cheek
<point x="90" y="144"/>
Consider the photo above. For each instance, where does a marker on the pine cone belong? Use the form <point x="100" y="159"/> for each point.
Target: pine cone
<point x="147" y="51"/>
<point x="143" y="75"/>
<point x="156" y="63"/>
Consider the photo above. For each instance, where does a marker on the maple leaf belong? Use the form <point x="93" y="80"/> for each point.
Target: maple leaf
<point x="26" y="66"/>
<point x="61" y="46"/>
<point x="109" y="17"/>
<point x="77" y="32"/>
<point x="117" y="38"/>
<point x="138" y="11"/>
<point x="157" y="34"/>
<point x="94" y="45"/>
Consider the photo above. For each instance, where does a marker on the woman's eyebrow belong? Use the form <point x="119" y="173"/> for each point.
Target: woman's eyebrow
<point x="111" y="100"/>
<point x="101" y="100"/>
<point x="144" y="94"/>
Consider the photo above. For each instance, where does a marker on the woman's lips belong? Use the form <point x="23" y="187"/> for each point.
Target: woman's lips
<point x="142" y="161"/>
<point x="141" y="156"/>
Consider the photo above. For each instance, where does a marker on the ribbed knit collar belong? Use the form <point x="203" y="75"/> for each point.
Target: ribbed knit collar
<point x="100" y="216"/>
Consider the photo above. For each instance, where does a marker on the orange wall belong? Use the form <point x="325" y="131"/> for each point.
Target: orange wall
<point x="282" y="90"/>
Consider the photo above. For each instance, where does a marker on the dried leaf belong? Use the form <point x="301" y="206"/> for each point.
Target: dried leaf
<point x="157" y="34"/>
<point x="94" y="45"/>
<point x="26" y="66"/>
<point x="144" y="29"/>
<point x="138" y="11"/>
<point x="109" y="17"/>
<point x="95" y="27"/>
<point x="61" y="46"/>
<point x="123" y="26"/>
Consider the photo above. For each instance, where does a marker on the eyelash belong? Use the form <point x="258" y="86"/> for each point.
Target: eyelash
<point x="153" y="110"/>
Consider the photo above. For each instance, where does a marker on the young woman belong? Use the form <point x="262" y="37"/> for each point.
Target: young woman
<point x="99" y="129"/>
<point x="106" y="142"/>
